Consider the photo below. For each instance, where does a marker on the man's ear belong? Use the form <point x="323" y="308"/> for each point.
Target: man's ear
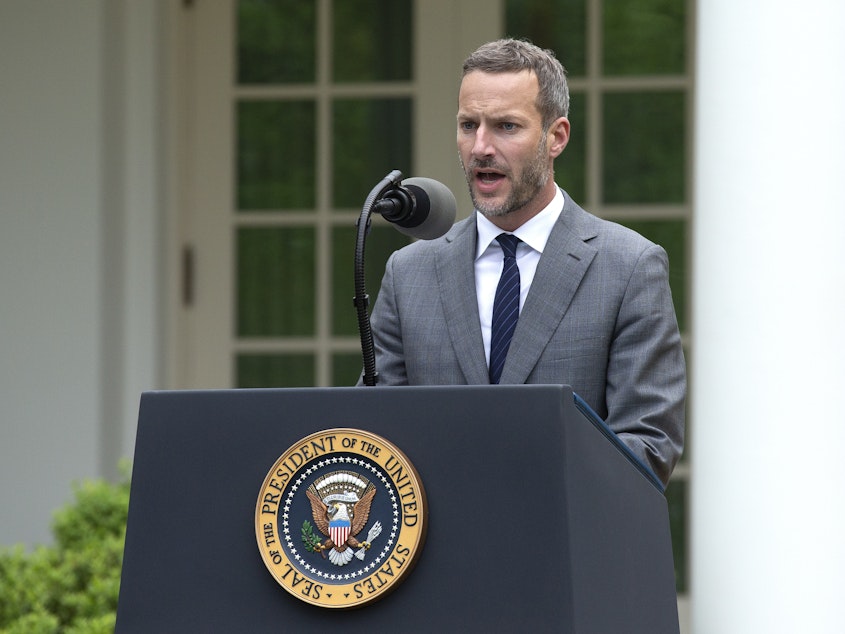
<point x="558" y="136"/>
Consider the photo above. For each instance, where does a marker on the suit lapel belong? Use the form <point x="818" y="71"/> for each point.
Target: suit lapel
<point x="456" y="278"/>
<point x="562" y="266"/>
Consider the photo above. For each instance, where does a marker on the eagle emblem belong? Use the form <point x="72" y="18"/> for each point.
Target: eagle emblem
<point x="340" y="507"/>
<point x="341" y="518"/>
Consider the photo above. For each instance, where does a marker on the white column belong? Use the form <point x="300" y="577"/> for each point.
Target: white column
<point x="768" y="367"/>
<point x="50" y="258"/>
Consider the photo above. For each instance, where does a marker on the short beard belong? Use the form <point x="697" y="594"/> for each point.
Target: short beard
<point x="533" y="178"/>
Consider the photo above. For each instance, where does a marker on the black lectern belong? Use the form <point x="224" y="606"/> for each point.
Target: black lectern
<point x="538" y="519"/>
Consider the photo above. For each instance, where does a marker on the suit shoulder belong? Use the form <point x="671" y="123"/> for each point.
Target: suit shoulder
<point x="604" y="233"/>
<point x="615" y="233"/>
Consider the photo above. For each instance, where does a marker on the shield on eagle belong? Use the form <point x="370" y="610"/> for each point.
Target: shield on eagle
<point x="339" y="530"/>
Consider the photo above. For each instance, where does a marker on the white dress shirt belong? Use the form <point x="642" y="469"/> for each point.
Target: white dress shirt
<point x="489" y="259"/>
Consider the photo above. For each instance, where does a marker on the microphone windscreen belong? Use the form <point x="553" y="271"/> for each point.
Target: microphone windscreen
<point x="436" y="205"/>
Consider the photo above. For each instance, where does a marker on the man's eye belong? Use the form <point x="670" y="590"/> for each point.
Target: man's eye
<point x="467" y="125"/>
<point x="509" y="127"/>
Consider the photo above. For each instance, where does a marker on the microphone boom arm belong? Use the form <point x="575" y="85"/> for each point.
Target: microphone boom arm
<point x="361" y="300"/>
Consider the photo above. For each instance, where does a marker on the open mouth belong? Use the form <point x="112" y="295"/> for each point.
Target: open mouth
<point x="489" y="177"/>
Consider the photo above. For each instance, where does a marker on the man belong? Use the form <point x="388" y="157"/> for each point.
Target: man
<point x="595" y="310"/>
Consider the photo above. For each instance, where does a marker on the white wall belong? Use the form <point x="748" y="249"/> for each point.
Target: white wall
<point x="78" y="239"/>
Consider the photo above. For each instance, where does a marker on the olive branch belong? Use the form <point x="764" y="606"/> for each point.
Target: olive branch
<point x="309" y="539"/>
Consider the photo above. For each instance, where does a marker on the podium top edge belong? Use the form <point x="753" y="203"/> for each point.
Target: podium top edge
<point x="415" y="388"/>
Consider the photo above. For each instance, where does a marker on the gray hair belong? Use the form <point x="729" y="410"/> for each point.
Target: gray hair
<point x="513" y="56"/>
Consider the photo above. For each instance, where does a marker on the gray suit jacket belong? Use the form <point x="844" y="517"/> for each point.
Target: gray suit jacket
<point x="598" y="317"/>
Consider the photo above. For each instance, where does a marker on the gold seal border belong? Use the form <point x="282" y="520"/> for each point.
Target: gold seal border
<point x="407" y="546"/>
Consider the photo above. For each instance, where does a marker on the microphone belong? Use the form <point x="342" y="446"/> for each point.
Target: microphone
<point x="419" y="207"/>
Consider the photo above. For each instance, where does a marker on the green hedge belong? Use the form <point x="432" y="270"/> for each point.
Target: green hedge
<point x="72" y="586"/>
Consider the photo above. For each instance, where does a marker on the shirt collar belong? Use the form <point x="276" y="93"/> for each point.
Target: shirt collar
<point x="535" y="233"/>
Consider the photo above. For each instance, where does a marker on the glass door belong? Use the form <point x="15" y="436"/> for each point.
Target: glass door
<point x="322" y="103"/>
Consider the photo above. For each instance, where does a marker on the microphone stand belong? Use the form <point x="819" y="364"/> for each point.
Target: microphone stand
<point x="361" y="300"/>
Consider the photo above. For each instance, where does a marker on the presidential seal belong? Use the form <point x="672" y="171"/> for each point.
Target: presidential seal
<point x="341" y="518"/>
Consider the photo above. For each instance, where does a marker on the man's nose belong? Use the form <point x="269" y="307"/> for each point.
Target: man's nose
<point x="483" y="143"/>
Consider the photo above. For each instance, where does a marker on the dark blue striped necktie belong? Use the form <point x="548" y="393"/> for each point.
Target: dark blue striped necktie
<point x="505" y="307"/>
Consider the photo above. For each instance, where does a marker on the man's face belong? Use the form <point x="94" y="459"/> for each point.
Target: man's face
<point x="503" y="149"/>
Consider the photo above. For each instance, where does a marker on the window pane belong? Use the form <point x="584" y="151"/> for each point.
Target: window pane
<point x="381" y="242"/>
<point x="676" y="496"/>
<point x="373" y="137"/>
<point x="276" y="41"/>
<point x="275" y="370"/>
<point x="644" y="149"/>
<point x="644" y="37"/>
<point x="275" y="282"/>
<point x="560" y="26"/>
<point x="671" y="235"/>
<point x="276" y="155"/>
<point x="346" y="368"/>
<point x="372" y="40"/>
<point x="571" y="165"/>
